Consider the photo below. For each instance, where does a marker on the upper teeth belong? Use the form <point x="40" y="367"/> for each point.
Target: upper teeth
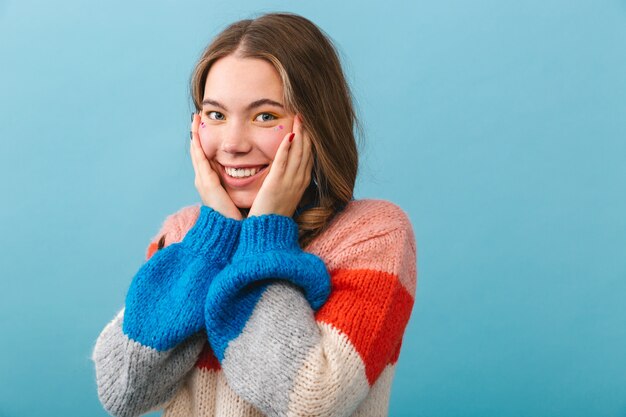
<point x="241" y="172"/>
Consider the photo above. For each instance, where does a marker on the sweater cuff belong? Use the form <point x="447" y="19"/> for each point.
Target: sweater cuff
<point x="213" y="236"/>
<point x="268" y="232"/>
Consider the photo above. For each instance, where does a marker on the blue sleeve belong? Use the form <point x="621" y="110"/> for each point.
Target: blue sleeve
<point x="165" y="301"/>
<point x="267" y="251"/>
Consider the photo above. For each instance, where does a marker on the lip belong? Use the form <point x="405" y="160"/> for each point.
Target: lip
<point x="243" y="165"/>
<point x="241" y="182"/>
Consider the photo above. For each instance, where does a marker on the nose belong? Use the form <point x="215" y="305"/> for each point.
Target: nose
<point x="235" y="140"/>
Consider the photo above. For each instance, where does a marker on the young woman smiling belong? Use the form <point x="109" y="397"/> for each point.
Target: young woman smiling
<point x="279" y="294"/>
<point x="242" y="133"/>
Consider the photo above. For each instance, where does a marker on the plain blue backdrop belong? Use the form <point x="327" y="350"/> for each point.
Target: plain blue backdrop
<point x="498" y="126"/>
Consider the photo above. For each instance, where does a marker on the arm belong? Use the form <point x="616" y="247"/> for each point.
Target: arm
<point x="283" y="353"/>
<point x="134" y="379"/>
<point x="143" y="354"/>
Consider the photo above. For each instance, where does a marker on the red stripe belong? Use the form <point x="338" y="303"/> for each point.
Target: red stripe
<point x="207" y="359"/>
<point x="396" y="354"/>
<point x="372" y="308"/>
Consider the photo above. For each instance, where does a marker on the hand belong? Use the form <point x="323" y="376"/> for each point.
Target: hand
<point x="207" y="180"/>
<point x="289" y="175"/>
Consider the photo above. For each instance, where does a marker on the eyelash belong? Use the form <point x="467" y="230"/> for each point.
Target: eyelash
<point x="213" y="111"/>
<point x="269" y="114"/>
<point x="208" y="113"/>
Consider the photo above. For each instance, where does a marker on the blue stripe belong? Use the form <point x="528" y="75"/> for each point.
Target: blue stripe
<point x="235" y="291"/>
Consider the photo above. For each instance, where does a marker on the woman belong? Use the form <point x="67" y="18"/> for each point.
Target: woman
<point x="280" y="294"/>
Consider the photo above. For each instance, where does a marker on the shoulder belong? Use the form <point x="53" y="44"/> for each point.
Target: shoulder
<point x="174" y="228"/>
<point x="374" y="215"/>
<point x="182" y="220"/>
<point x="364" y="234"/>
<point x="367" y="219"/>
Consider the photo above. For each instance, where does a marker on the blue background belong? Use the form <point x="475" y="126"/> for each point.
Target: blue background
<point x="499" y="126"/>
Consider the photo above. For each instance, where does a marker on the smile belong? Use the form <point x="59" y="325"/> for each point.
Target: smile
<point x="243" y="172"/>
<point x="242" y="176"/>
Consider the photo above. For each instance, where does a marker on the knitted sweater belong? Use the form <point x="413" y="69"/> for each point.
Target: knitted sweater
<point x="231" y="318"/>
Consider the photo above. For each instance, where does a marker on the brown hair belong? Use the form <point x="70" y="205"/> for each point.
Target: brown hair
<point x="314" y="86"/>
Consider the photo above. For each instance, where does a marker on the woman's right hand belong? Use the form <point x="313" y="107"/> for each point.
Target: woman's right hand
<point x="207" y="181"/>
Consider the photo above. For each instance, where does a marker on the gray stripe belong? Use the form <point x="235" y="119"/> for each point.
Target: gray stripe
<point x="261" y="364"/>
<point x="133" y="379"/>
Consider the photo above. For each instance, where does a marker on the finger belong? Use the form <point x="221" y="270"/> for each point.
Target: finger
<point x="213" y="169"/>
<point x="279" y="164"/>
<point x="297" y="147"/>
<point x="305" y="140"/>
<point x="300" y="162"/>
<point x="195" y="122"/>
<point x="201" y="164"/>
<point x="193" y="147"/>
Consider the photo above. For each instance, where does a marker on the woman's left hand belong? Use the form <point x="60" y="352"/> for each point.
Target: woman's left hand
<point x="289" y="175"/>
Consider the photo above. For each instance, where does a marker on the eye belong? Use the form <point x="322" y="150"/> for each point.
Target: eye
<point x="263" y="119"/>
<point x="219" y="116"/>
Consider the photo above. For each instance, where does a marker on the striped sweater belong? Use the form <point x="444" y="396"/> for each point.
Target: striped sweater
<point x="231" y="318"/>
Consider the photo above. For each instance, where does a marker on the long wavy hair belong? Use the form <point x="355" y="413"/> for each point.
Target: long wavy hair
<point x="314" y="85"/>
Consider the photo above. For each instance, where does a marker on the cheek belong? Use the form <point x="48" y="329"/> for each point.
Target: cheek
<point x="209" y="145"/>
<point x="270" y="140"/>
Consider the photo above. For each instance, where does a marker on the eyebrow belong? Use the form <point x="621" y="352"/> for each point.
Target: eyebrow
<point x="256" y="103"/>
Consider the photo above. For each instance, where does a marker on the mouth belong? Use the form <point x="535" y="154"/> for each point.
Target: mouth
<point x="241" y="175"/>
<point x="244" y="172"/>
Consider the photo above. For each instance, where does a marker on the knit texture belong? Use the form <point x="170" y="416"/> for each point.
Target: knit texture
<point x="162" y="306"/>
<point x="286" y="332"/>
<point x="268" y="251"/>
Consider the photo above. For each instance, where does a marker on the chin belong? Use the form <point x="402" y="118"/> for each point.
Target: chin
<point x="242" y="200"/>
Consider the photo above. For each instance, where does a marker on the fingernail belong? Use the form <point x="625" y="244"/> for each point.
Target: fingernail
<point x="291" y="137"/>
<point x="192" y="113"/>
<point x="190" y="135"/>
<point x="202" y="124"/>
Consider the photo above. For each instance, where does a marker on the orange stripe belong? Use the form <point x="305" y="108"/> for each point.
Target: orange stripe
<point x="151" y="249"/>
<point x="372" y="308"/>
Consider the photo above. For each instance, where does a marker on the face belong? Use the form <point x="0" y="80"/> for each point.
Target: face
<point x="242" y="112"/>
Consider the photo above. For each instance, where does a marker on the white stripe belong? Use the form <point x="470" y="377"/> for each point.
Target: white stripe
<point x="332" y="381"/>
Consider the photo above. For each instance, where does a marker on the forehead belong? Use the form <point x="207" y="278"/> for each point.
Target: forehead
<point x="232" y="79"/>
